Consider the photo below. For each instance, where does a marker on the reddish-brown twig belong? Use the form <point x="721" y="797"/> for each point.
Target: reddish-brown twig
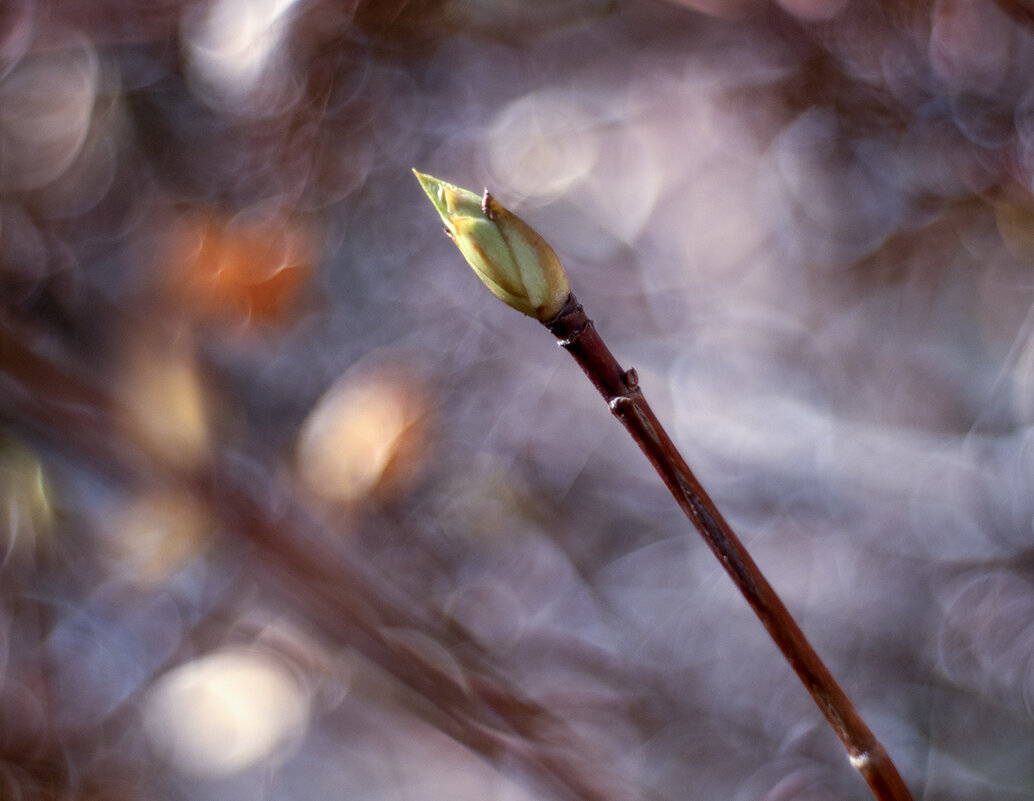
<point x="522" y="270"/>
<point x="620" y="388"/>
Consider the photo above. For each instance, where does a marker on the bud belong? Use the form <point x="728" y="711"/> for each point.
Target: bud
<point x="509" y="257"/>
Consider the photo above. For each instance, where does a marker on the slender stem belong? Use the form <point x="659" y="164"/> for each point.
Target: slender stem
<point x="620" y="389"/>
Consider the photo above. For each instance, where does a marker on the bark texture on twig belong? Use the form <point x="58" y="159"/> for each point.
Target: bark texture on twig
<point x="620" y="388"/>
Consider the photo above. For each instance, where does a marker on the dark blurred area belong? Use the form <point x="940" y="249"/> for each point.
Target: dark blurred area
<point x="291" y="508"/>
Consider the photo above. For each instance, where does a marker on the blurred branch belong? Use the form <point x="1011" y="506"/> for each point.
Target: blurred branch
<point x="1020" y="10"/>
<point x="307" y="568"/>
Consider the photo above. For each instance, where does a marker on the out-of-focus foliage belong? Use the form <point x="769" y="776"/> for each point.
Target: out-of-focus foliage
<point x="290" y="508"/>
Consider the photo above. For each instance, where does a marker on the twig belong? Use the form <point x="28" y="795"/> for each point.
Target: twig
<point x="576" y="333"/>
<point x="522" y="270"/>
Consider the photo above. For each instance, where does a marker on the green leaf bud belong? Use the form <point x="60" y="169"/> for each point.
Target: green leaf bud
<point x="513" y="261"/>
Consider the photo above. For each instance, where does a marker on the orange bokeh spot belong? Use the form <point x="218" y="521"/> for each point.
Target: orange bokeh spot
<point x="240" y="270"/>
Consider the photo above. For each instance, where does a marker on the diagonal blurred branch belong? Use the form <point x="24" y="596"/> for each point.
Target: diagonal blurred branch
<point x="1020" y="10"/>
<point x="308" y="569"/>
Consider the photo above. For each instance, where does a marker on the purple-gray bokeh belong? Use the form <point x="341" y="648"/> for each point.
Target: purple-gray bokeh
<point x="237" y="355"/>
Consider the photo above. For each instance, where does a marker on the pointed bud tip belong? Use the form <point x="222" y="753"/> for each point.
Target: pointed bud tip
<point x="428" y="182"/>
<point x="451" y="201"/>
<point x="434" y="189"/>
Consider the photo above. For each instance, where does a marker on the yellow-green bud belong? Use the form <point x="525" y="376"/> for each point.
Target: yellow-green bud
<point x="509" y="257"/>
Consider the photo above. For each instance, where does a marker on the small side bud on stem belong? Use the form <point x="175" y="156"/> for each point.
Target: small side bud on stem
<point x="509" y="257"/>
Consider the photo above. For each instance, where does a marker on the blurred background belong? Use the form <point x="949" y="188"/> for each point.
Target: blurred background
<point x="291" y="508"/>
